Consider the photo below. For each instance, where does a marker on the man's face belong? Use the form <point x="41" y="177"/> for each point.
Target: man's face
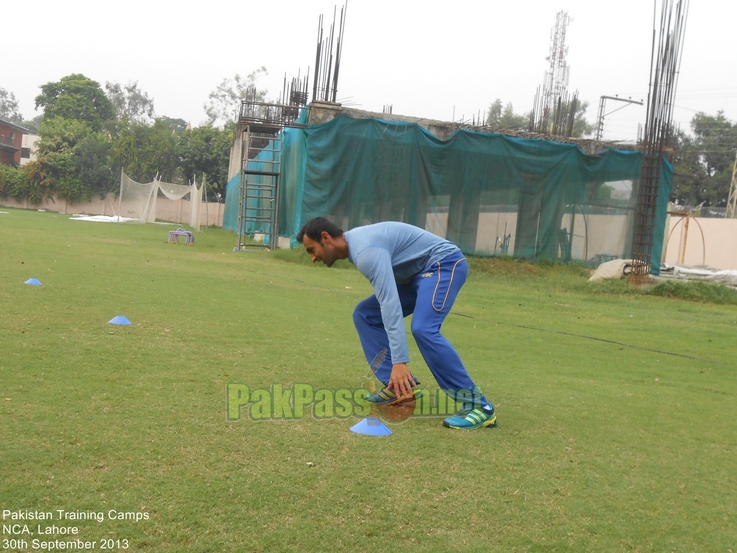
<point x="321" y="251"/>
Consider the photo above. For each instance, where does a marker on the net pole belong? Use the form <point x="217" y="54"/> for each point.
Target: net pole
<point x="204" y="184"/>
<point x="120" y="196"/>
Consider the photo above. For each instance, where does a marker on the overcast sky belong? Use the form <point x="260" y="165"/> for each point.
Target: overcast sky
<point x="423" y="59"/>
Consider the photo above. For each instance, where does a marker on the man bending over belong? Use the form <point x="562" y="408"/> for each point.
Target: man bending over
<point x="413" y="272"/>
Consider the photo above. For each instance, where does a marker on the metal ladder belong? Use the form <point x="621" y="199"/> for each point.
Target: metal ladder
<point x="258" y="206"/>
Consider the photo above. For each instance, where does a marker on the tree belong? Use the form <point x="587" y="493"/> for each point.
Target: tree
<point x="131" y="102"/>
<point x="61" y="135"/>
<point x="177" y="126"/>
<point x="503" y="117"/>
<point x="226" y="99"/>
<point x="205" y="152"/>
<point x="143" y="151"/>
<point x="704" y="161"/>
<point x="688" y="175"/>
<point x="73" y="152"/>
<point x="92" y="164"/>
<point x="512" y="121"/>
<point x="73" y="161"/>
<point x="9" y="112"/>
<point x="76" y="97"/>
<point x="33" y="125"/>
<point x="87" y="137"/>
<point x="9" y="107"/>
<point x="495" y="114"/>
<point x="581" y="127"/>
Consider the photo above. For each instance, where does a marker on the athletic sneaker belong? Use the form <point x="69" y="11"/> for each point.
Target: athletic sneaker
<point x="473" y="418"/>
<point x="388" y="397"/>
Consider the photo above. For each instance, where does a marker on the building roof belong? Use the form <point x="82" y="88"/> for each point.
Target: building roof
<point x="444" y="130"/>
<point x="14" y="126"/>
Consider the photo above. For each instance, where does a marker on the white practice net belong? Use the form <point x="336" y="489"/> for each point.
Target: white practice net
<point x="138" y="201"/>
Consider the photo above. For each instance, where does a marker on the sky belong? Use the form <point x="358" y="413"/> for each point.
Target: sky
<point x="444" y="61"/>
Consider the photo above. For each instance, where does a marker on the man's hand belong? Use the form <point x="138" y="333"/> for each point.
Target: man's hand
<point x="401" y="381"/>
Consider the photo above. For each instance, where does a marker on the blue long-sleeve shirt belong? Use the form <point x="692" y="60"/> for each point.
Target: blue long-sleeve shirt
<point x="394" y="253"/>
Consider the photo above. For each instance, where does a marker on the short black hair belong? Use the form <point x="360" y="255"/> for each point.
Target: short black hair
<point x="316" y="226"/>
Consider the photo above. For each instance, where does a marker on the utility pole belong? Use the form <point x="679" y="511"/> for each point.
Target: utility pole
<point x="602" y="107"/>
<point x="732" y="201"/>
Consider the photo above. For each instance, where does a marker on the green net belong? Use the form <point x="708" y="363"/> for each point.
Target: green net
<point x="490" y="194"/>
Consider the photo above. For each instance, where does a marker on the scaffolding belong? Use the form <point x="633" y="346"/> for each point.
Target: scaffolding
<point x="260" y="128"/>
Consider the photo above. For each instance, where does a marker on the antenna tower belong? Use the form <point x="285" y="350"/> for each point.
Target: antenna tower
<point x="554" y="112"/>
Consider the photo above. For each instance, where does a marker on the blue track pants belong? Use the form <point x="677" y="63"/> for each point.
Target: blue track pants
<point x="428" y="298"/>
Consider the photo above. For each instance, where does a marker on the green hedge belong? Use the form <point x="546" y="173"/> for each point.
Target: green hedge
<point x="13" y="182"/>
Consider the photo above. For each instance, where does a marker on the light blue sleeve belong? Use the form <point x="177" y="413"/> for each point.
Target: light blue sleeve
<point x="376" y="265"/>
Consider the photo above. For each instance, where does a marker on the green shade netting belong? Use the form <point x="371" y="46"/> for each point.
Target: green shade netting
<point x="491" y="194"/>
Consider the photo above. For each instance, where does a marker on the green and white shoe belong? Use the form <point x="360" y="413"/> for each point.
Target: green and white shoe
<point x="472" y="418"/>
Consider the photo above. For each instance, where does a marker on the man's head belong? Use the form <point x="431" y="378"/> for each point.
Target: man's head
<point x="323" y="240"/>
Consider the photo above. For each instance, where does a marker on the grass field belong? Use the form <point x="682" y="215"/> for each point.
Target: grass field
<point x="617" y="409"/>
